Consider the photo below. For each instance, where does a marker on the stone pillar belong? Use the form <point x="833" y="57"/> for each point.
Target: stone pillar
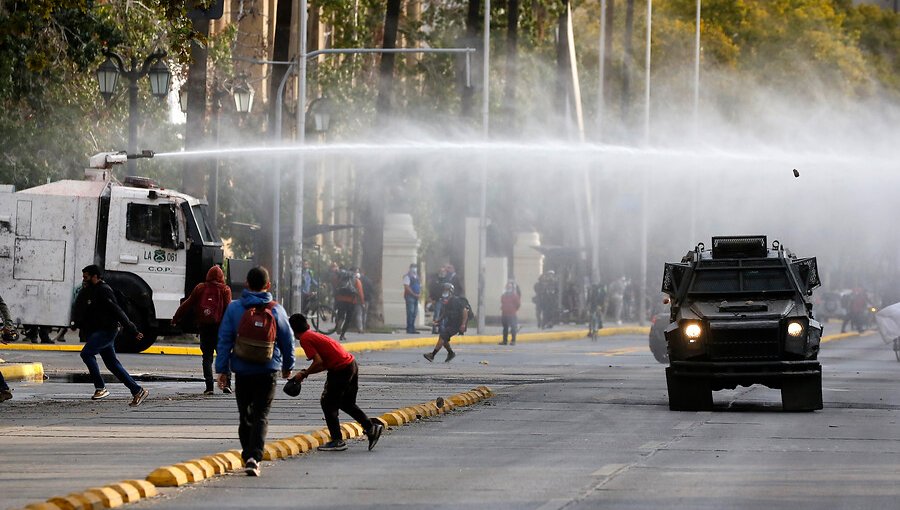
<point x="470" y="284"/>
<point x="528" y="264"/>
<point x="401" y="244"/>
<point x="496" y="269"/>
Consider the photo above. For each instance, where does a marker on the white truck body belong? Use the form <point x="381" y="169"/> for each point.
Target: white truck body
<point x="49" y="233"/>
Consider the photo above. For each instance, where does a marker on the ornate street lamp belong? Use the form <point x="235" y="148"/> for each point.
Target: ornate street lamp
<point x="318" y="116"/>
<point x="159" y="79"/>
<point x="183" y="98"/>
<point x="108" y="76"/>
<point x="243" y="97"/>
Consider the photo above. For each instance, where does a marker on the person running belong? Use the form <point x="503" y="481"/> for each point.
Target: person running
<point x="453" y="321"/>
<point x="341" y="384"/>
<point x="208" y="301"/>
<point x="98" y="320"/>
<point x="255" y="341"/>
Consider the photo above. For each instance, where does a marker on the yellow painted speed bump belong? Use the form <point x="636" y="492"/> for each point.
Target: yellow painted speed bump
<point x="217" y="464"/>
<point x="78" y="501"/>
<point x="322" y="436"/>
<point x="109" y="497"/>
<point x="127" y="492"/>
<point x="391" y="419"/>
<point x="306" y="442"/>
<point x="23" y="372"/>
<point x="144" y="488"/>
<point x="192" y="472"/>
<point x="234" y="458"/>
<point x="168" y="476"/>
<point x="205" y="468"/>
<point x="43" y="505"/>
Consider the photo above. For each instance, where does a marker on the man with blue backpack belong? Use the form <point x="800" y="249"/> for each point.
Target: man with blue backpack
<point x="255" y="341"/>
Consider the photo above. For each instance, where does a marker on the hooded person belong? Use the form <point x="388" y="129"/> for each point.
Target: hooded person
<point x="207" y="302"/>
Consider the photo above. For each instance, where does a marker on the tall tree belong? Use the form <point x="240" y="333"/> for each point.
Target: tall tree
<point x="373" y="202"/>
<point x="512" y="52"/>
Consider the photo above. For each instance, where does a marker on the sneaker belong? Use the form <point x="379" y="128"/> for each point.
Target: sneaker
<point x="208" y="392"/>
<point x="139" y="397"/>
<point x="333" y="446"/>
<point x="6" y="395"/>
<point x="251" y="467"/>
<point x="227" y="390"/>
<point x="374" y="434"/>
<point x="502" y="343"/>
<point x="100" y="393"/>
<point x="429" y="356"/>
<point x="512" y="343"/>
<point x="450" y="356"/>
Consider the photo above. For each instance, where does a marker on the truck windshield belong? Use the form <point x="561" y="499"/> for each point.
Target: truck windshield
<point x="207" y="235"/>
<point x="740" y="280"/>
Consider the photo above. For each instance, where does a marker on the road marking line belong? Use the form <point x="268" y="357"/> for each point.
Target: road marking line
<point x="608" y="470"/>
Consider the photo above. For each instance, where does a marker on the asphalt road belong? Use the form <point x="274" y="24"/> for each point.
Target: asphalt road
<point x="575" y="424"/>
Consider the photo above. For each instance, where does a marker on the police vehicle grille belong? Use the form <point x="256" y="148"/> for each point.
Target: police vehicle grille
<point x="744" y="344"/>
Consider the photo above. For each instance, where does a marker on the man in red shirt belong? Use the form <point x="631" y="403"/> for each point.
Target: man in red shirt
<point x="341" y="385"/>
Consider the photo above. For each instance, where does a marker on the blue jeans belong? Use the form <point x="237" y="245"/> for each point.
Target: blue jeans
<point x="412" y="308"/>
<point x="103" y="343"/>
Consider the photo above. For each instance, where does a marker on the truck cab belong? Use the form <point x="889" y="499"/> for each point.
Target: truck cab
<point x="741" y="314"/>
<point x="154" y="244"/>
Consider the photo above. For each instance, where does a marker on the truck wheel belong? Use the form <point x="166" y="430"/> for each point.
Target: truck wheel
<point x="688" y="393"/>
<point x="125" y="344"/>
<point x="802" y="393"/>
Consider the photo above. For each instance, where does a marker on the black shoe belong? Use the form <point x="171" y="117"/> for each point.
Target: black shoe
<point x="333" y="446"/>
<point x="450" y="356"/>
<point x="429" y="356"/>
<point x="502" y="343"/>
<point x="512" y="343"/>
<point x="375" y="433"/>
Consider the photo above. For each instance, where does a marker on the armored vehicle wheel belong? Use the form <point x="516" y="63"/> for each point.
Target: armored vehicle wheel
<point x="802" y="393"/>
<point x="688" y="393"/>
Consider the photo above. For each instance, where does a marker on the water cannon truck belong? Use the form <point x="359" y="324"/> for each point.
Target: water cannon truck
<point x="741" y="314"/>
<point x="154" y="244"/>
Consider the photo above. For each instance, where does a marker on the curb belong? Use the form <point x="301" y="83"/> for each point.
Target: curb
<point x="192" y="471"/>
<point x="841" y="336"/>
<point x="23" y="372"/>
<point x="377" y="345"/>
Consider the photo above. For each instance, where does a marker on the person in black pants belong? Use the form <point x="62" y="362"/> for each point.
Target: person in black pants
<point x="207" y="302"/>
<point x="341" y="385"/>
<point x="255" y="374"/>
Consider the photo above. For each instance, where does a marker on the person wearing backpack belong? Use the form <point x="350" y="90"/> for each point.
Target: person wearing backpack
<point x="348" y="295"/>
<point x="453" y="320"/>
<point x="255" y="342"/>
<point x="207" y="302"/>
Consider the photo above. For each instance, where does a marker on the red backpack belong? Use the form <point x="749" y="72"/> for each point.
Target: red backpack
<point x="211" y="306"/>
<point x="256" y="332"/>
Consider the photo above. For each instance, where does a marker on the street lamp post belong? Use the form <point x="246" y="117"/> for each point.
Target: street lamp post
<point x="108" y="76"/>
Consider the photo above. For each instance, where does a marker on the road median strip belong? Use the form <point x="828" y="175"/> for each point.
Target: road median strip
<point x="192" y="471"/>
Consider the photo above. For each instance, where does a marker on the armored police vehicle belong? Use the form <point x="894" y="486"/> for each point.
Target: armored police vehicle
<point x="741" y="314"/>
<point x="155" y="244"/>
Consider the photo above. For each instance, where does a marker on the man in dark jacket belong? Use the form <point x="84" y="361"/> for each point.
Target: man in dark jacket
<point x="254" y="381"/>
<point x="99" y="318"/>
<point x="453" y="320"/>
<point x="207" y="301"/>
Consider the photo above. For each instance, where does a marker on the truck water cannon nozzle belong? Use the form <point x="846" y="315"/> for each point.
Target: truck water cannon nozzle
<point x="146" y="153"/>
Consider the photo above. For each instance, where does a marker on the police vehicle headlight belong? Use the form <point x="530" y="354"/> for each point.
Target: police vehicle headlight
<point x="692" y="331"/>
<point x="795" y="329"/>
